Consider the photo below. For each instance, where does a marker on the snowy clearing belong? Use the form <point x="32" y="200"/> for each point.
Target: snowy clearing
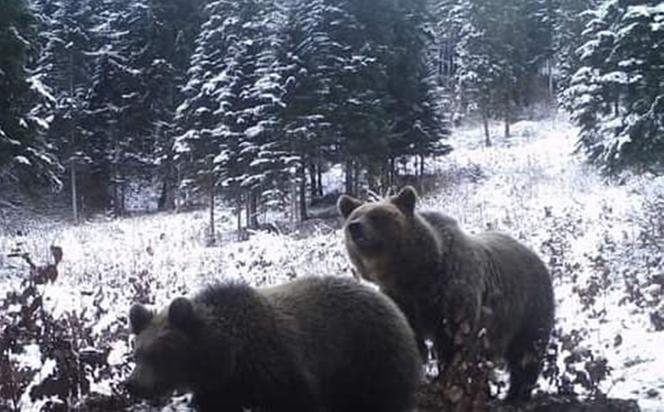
<point x="592" y="234"/>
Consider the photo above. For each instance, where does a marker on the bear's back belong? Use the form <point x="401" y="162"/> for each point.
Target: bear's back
<point x="523" y="272"/>
<point x="442" y="227"/>
<point x="439" y="221"/>
<point x="341" y="325"/>
<point x="329" y="305"/>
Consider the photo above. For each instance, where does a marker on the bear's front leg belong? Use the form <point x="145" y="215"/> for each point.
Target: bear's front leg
<point x="412" y="310"/>
<point x="211" y="401"/>
<point x="461" y="347"/>
<point x="291" y="389"/>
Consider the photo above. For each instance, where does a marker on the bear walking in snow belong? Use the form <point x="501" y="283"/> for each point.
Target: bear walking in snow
<point x="314" y="344"/>
<point x="455" y="288"/>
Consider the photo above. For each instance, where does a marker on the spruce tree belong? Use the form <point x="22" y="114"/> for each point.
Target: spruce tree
<point x="618" y="99"/>
<point x="116" y="113"/>
<point x="174" y="26"/>
<point x="420" y="121"/>
<point x="63" y="66"/>
<point x="25" y="156"/>
<point x="500" y="51"/>
<point x="569" y="21"/>
<point x="229" y="135"/>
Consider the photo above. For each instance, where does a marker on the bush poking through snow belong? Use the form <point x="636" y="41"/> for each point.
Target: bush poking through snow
<point x="50" y="363"/>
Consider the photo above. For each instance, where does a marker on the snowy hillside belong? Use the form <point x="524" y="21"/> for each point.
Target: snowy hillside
<point x="602" y="242"/>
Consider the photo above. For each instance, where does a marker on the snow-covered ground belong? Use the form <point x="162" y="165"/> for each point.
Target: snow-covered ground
<point x="592" y="234"/>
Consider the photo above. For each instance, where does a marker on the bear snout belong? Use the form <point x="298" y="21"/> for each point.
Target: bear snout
<point x="133" y="388"/>
<point x="141" y="385"/>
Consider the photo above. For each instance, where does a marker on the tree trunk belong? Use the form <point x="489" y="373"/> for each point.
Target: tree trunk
<point x="388" y="173"/>
<point x="252" y="209"/>
<point x="167" y="196"/>
<point x="171" y="178"/>
<point x="121" y="179"/>
<point x="385" y="175"/>
<point x="349" y="177"/>
<point x="212" y="235"/>
<point x="507" y="114"/>
<point x="114" y="176"/>
<point x="74" y="194"/>
<point x="166" y="199"/>
<point x="487" y="132"/>
<point x="302" y="180"/>
<point x="313" y="188"/>
<point x="319" y="178"/>
<point x="293" y="203"/>
<point x="552" y="92"/>
<point x="239" y="218"/>
<point x="179" y="195"/>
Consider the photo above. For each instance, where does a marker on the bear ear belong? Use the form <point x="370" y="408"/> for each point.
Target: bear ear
<point x="406" y="200"/>
<point x="346" y="204"/>
<point x="139" y="318"/>
<point x="181" y="314"/>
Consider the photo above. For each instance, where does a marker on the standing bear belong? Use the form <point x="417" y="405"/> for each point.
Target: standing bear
<point x="455" y="287"/>
<point x="314" y="344"/>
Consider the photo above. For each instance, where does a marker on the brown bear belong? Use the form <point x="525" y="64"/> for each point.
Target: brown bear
<point x="314" y="344"/>
<point x="453" y="286"/>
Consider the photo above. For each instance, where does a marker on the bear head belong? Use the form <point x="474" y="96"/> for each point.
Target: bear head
<point x="164" y="348"/>
<point x="376" y="232"/>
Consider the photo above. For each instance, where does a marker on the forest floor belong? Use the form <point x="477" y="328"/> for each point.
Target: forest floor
<point x="601" y="239"/>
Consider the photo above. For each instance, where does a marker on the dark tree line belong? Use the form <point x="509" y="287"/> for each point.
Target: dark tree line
<point x="250" y="101"/>
<point x="278" y="90"/>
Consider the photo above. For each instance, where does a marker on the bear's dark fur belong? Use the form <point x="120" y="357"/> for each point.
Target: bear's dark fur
<point x="314" y="344"/>
<point x="451" y="284"/>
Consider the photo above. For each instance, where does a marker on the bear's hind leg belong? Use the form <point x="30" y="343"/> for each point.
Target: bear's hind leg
<point x="525" y="361"/>
<point x="522" y="380"/>
<point x="374" y="406"/>
<point x="214" y="402"/>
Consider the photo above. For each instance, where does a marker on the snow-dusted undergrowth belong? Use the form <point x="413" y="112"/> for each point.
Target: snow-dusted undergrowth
<point x="592" y="235"/>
